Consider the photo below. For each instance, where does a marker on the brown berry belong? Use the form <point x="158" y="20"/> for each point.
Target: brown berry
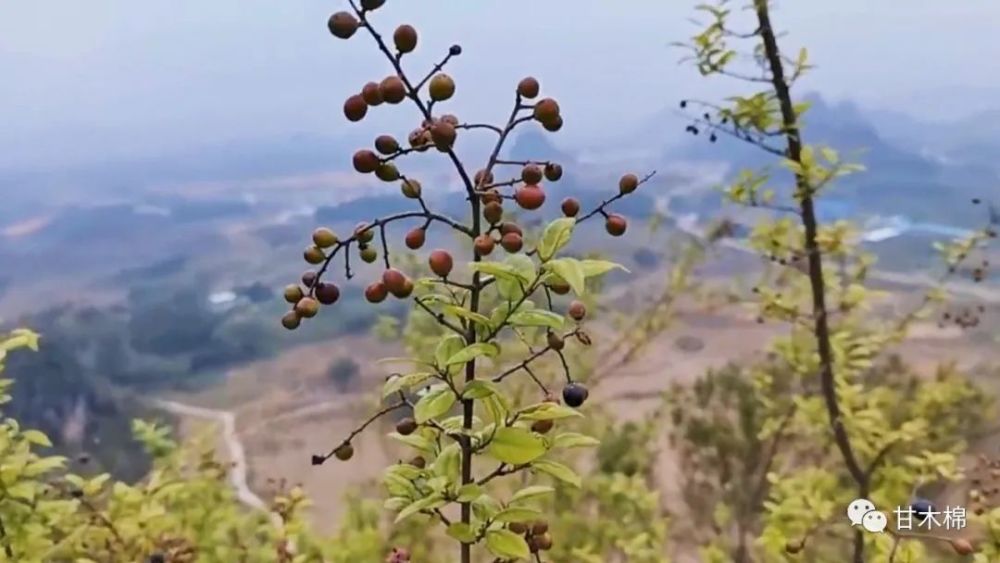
<point x="386" y="144"/>
<point x="344" y="452"/>
<point x="371" y="94"/>
<point x="542" y="426"/>
<point x="528" y="87"/>
<point x="546" y="110"/>
<point x="493" y="212"/>
<point x="531" y="174"/>
<point x="376" y="292"/>
<point x="517" y="527"/>
<point x="577" y="311"/>
<point x="559" y="287"/>
<point x="324" y="238"/>
<point x="484" y="245"/>
<point x="342" y="25"/>
<point x="441" y="87"/>
<point x="512" y="242"/>
<point x="628" y="183"/>
<point x="309" y="278"/>
<point x="615" y="225"/>
<point x="313" y="255"/>
<point x="556" y="342"/>
<point x="406" y="426"/>
<point x="364" y="232"/>
<point x="440" y="263"/>
<point x="962" y="546"/>
<point x="570" y="207"/>
<point x="387" y="172"/>
<point x="370" y="5"/>
<point x="544" y="542"/>
<point x="293" y="293"/>
<point x="365" y="161"/>
<point x="483" y="178"/>
<point x="404" y="291"/>
<point x="307" y="307"/>
<point x="355" y="108"/>
<point x="405" y="38"/>
<point x="443" y="134"/>
<point x="553" y="124"/>
<point x="368" y="255"/>
<point x="529" y="196"/>
<point x="291" y="320"/>
<point x="415" y="238"/>
<point x="794" y="547"/>
<point x="507" y="228"/>
<point x="419" y="462"/>
<point x="553" y="172"/>
<point x="449" y="118"/>
<point x="539" y="527"/>
<point x="393" y="90"/>
<point x="491" y="195"/>
<point x="411" y="188"/>
<point x="394" y="280"/>
<point x="417" y="140"/>
<point x="327" y="293"/>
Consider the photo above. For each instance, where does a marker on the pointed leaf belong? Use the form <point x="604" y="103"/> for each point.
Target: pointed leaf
<point x="556" y="235"/>
<point x="557" y="470"/>
<point x="473" y="351"/>
<point x="507" y="544"/>
<point x="433" y="404"/>
<point x="548" y="411"/>
<point x="462" y="532"/>
<point x="517" y="514"/>
<point x="537" y="317"/>
<point x="480" y="389"/>
<point x="593" y="268"/>
<point x="516" y="446"/>
<point x="570" y="270"/>
<point x="574" y="440"/>
<point x="532" y="492"/>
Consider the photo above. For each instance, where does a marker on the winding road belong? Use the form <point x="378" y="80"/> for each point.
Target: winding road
<point x="237" y="455"/>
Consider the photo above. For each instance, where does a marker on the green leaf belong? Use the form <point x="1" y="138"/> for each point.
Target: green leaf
<point x="593" y="268"/>
<point x="574" y="440"/>
<point x="469" y="493"/>
<point x="516" y="446"/>
<point x="472" y="352"/>
<point x="532" y="492"/>
<point x="537" y="317"/>
<point x="557" y="470"/>
<point x="570" y="270"/>
<point x="507" y="544"/>
<point x="485" y="507"/>
<point x="37" y="437"/>
<point x="548" y="411"/>
<point x="462" y="532"/>
<point x="436" y="500"/>
<point x="480" y="389"/>
<point x="556" y="235"/>
<point x="414" y="440"/>
<point x="466" y="314"/>
<point x="24" y="490"/>
<point x="500" y="270"/>
<point x="447" y="348"/>
<point x="400" y="382"/>
<point x="447" y="463"/>
<point x="433" y="404"/>
<point x="517" y="514"/>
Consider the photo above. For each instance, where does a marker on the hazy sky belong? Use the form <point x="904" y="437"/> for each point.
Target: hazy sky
<point x="82" y="81"/>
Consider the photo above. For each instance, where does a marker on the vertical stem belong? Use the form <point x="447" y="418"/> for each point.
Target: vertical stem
<point x="468" y="405"/>
<point x="821" y="328"/>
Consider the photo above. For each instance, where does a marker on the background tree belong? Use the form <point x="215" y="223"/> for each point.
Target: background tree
<point x="827" y="383"/>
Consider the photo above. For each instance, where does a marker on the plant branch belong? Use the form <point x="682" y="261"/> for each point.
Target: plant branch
<point x="818" y="288"/>
<point x="319" y="459"/>
<point x="600" y="209"/>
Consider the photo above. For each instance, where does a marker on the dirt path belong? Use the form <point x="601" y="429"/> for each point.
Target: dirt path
<point x="234" y="447"/>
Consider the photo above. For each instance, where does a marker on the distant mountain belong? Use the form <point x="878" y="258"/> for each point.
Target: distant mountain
<point x="536" y="145"/>
<point x="898" y="179"/>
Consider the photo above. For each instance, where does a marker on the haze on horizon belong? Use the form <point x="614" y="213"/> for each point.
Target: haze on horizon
<point x="116" y="79"/>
